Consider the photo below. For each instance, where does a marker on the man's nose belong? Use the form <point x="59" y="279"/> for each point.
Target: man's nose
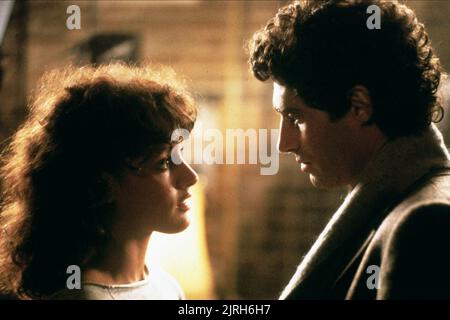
<point x="186" y="176"/>
<point x="288" y="140"/>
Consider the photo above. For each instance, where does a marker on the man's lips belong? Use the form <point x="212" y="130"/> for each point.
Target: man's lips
<point x="304" y="165"/>
<point x="300" y="161"/>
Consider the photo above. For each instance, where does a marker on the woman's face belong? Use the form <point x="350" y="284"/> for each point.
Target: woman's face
<point x="152" y="195"/>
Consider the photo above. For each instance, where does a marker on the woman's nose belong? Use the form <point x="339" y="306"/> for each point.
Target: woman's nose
<point x="186" y="176"/>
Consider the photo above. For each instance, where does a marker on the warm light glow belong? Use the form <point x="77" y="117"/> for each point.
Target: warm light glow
<point x="185" y="255"/>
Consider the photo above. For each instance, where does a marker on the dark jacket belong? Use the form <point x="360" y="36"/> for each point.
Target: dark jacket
<point x="390" y="239"/>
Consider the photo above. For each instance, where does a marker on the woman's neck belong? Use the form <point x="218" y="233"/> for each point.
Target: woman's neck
<point x="122" y="262"/>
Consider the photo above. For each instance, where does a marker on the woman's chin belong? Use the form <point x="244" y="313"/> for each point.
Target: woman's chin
<point x="181" y="224"/>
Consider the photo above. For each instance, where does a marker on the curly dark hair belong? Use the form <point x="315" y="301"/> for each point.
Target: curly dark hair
<point x="322" y="49"/>
<point x="56" y="204"/>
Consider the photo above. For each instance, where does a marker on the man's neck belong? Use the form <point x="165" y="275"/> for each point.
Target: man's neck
<point x="376" y="145"/>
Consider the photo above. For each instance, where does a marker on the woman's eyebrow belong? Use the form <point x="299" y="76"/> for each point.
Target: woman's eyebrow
<point x="167" y="149"/>
<point x="163" y="147"/>
<point x="157" y="151"/>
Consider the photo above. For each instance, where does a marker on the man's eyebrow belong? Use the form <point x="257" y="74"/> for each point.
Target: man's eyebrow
<point x="287" y="110"/>
<point x="277" y="109"/>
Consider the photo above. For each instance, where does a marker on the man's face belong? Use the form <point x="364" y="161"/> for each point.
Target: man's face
<point x="331" y="152"/>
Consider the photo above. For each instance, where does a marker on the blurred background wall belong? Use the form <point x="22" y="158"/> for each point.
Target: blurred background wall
<point x="257" y="227"/>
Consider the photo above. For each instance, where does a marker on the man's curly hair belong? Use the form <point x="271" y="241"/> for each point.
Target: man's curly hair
<point x="322" y="49"/>
<point x="57" y="206"/>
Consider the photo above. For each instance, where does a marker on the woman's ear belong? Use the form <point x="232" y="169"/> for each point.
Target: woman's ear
<point x="360" y="104"/>
<point x="103" y="190"/>
<point x="110" y="181"/>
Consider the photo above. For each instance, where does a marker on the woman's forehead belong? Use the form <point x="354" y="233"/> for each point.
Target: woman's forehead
<point x="156" y="149"/>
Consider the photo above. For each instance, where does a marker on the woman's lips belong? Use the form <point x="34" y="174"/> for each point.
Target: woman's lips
<point x="184" y="204"/>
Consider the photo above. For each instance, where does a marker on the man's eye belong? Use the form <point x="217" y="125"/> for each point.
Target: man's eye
<point x="293" y="119"/>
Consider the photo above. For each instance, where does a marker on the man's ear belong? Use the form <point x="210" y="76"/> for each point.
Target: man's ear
<point x="360" y="104"/>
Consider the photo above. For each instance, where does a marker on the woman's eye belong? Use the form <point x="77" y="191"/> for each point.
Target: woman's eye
<point x="164" y="164"/>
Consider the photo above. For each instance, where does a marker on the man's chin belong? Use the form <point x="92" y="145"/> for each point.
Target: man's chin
<point x="315" y="182"/>
<point x="322" y="183"/>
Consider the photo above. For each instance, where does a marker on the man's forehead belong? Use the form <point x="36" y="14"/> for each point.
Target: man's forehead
<point x="282" y="98"/>
<point x="277" y="98"/>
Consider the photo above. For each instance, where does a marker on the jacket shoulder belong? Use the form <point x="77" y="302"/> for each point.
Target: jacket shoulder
<point x="414" y="240"/>
<point x="429" y="201"/>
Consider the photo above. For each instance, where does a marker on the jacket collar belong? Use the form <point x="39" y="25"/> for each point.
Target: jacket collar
<point x="397" y="166"/>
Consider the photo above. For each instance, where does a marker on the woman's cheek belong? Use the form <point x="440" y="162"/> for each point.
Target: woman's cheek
<point x="164" y="191"/>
